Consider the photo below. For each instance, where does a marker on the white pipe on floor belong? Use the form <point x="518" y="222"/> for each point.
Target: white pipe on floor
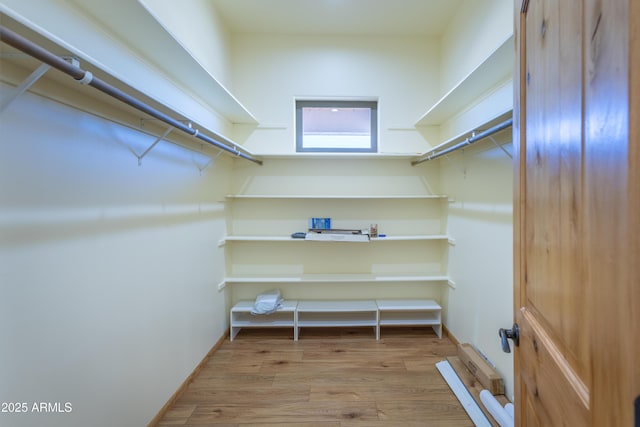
<point x="510" y="410"/>
<point x="496" y="410"/>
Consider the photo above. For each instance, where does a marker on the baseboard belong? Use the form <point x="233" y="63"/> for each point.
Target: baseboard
<point x="452" y="337"/>
<point x="183" y="387"/>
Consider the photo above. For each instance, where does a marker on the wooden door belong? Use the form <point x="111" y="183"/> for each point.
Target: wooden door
<point x="577" y="212"/>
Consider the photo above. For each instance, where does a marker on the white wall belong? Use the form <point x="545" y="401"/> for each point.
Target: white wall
<point x="476" y="30"/>
<point x="479" y="181"/>
<point x="270" y="71"/>
<point x="108" y="270"/>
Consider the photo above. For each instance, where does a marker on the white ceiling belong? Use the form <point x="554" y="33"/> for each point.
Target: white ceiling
<point x="338" y="17"/>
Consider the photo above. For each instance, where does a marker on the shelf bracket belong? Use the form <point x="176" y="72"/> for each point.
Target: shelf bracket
<point x="425" y="182"/>
<point x="24" y="86"/>
<point x="463" y="171"/>
<point x="210" y="162"/>
<point x="31" y="80"/>
<point x="500" y="147"/>
<point x="160" y="138"/>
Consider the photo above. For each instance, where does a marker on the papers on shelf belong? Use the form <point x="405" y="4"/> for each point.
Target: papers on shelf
<point x="337" y="237"/>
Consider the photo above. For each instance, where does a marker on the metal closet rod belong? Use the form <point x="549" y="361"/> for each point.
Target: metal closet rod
<point x="85" y="77"/>
<point x="468" y="141"/>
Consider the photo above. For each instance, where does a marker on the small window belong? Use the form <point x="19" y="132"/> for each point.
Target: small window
<point x="337" y="126"/>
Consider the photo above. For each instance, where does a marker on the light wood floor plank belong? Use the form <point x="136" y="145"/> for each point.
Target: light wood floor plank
<point x="285" y="413"/>
<point x="209" y="395"/>
<point x="329" y="378"/>
<point x="438" y="409"/>
<point x="383" y="393"/>
<point x="312" y="424"/>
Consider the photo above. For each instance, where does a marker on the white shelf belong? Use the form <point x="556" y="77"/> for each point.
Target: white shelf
<point x="337" y="306"/>
<point x="407" y="305"/>
<point x="330" y="320"/>
<point x="468" y="134"/>
<point x="426" y="237"/>
<point x="495" y="69"/>
<point x="241" y="317"/>
<point x="335" y="156"/>
<point x="336" y="278"/>
<point x="261" y="239"/>
<point x="410" y="313"/>
<point x="338" y="314"/>
<point x="259" y="249"/>
<point x="416" y="237"/>
<point x="408" y="320"/>
<point x="110" y="48"/>
<point x="182" y="63"/>
<point x="336" y="197"/>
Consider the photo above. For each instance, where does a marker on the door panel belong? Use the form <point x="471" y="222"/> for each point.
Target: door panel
<point x="611" y="191"/>
<point x="553" y="155"/>
<point x="577" y="198"/>
<point x="556" y="395"/>
<point x="554" y="344"/>
<point x="532" y="420"/>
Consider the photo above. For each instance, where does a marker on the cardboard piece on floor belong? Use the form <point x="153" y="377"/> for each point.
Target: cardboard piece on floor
<point x="479" y="367"/>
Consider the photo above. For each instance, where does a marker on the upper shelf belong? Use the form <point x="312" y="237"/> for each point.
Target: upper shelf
<point x="181" y="63"/>
<point x="468" y="134"/>
<point x="338" y="156"/>
<point x="329" y="197"/>
<point x="107" y="35"/>
<point x="125" y="41"/>
<point x="396" y="238"/>
<point x="339" y="278"/>
<point x="495" y="69"/>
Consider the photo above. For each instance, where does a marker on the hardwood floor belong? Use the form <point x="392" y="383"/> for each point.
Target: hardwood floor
<point x="329" y="378"/>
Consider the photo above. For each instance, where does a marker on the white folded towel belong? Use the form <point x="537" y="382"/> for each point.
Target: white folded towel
<point x="267" y="302"/>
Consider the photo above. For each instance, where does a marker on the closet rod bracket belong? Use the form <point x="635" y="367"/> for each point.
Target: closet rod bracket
<point x="504" y="150"/>
<point x="31" y="80"/>
<point x="210" y="162"/>
<point x="475" y="137"/>
<point x="463" y="171"/>
<point x="144" y="120"/>
<point x="158" y="139"/>
<point x="25" y="85"/>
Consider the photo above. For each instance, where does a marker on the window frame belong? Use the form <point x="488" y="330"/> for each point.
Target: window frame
<point x="305" y="103"/>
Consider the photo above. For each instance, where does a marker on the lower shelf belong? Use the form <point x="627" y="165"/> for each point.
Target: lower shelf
<point x="340" y="313"/>
<point x="241" y="317"/>
<point x="316" y="314"/>
<point x="410" y="313"/>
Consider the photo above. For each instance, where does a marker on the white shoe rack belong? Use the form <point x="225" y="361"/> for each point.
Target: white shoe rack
<point x="340" y="313"/>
